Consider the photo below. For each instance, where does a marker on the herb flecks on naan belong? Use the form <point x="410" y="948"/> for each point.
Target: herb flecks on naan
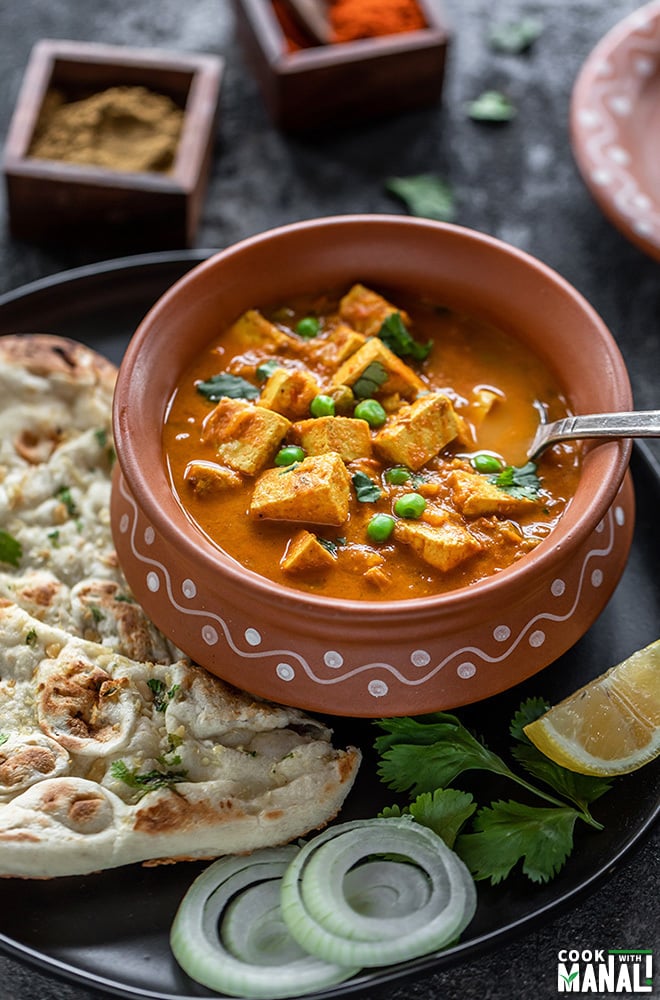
<point x="114" y="748"/>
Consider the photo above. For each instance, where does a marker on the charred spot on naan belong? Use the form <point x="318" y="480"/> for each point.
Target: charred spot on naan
<point x="27" y="760"/>
<point x="103" y="611"/>
<point x="80" y="805"/>
<point x="48" y="355"/>
<point x="84" y="707"/>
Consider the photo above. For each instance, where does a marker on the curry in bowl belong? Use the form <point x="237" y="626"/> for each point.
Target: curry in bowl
<point x="367" y="446"/>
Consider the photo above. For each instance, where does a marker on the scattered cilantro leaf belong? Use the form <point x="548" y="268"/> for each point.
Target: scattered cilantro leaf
<point x="578" y="788"/>
<point x="529" y="711"/>
<point x="370" y="381"/>
<point x="266" y="369"/>
<point x="515" y="37"/>
<point x="224" y="385"/>
<point x="31" y="637"/>
<point x="520" y="482"/>
<point x="330" y="544"/>
<point x="11" y="549"/>
<point x="444" y="811"/>
<point x="425" y="195"/>
<point x="366" y="490"/>
<point x="509" y="832"/>
<point x="96" y="613"/>
<point x="63" y="494"/>
<point x="162" y="697"/>
<point x="400" y="341"/>
<point x="449" y="750"/>
<point x="491" y="106"/>
<point x="3" y="738"/>
<point x="148" y="782"/>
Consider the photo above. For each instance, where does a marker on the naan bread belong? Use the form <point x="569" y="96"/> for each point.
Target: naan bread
<point x="114" y="748"/>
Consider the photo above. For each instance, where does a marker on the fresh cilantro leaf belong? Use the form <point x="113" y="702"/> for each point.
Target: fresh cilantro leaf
<point x="400" y="341"/>
<point x="366" y="490"/>
<point x="491" y="106"/>
<point x="426" y="195"/>
<point x="579" y="788"/>
<point x="331" y="544"/>
<point x="509" y="832"/>
<point x="520" y="482"/>
<point x="449" y="750"/>
<point x="162" y="697"/>
<point x="266" y="369"/>
<point x="224" y="385"/>
<point x="148" y="782"/>
<point x="369" y="381"/>
<point x="3" y="738"/>
<point x="529" y="711"/>
<point x="11" y="549"/>
<point x="514" y="37"/>
<point x="31" y="637"/>
<point x="444" y="811"/>
<point x="63" y="494"/>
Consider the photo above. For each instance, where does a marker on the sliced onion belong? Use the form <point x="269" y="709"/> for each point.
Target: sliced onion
<point x="251" y="953"/>
<point x="327" y="923"/>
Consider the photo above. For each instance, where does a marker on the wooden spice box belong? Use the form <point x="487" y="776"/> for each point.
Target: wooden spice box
<point x="347" y="82"/>
<point x="56" y="201"/>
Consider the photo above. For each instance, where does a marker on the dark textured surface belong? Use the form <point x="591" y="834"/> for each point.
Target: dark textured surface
<point x="517" y="182"/>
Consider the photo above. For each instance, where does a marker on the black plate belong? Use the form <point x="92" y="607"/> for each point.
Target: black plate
<point x="111" y="930"/>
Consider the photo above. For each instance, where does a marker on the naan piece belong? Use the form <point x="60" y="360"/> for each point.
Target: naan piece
<point x="114" y="748"/>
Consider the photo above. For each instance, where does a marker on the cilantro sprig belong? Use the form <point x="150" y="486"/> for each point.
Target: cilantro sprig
<point x="425" y="755"/>
<point x="519" y="481"/>
<point x="11" y="549"/>
<point x="400" y="341"/>
<point x="162" y="697"/>
<point x="149" y="781"/>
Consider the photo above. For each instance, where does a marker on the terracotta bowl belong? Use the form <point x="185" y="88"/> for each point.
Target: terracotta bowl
<point x="358" y="658"/>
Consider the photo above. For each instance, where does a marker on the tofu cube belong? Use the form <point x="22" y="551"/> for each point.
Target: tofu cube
<point x="316" y="491"/>
<point x="346" y="436"/>
<point x="418" y="432"/>
<point x="339" y="345"/>
<point x="246" y="436"/>
<point x="289" y="391"/>
<point x="366" y="310"/>
<point x="475" y="496"/>
<point x="208" y="478"/>
<point x="305" y="554"/>
<point x="389" y="373"/>
<point x="253" y="330"/>
<point x="442" y="546"/>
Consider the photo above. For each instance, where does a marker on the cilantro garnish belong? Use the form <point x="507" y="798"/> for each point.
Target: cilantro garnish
<point x="224" y="385"/>
<point x="63" y="494"/>
<point x="331" y="545"/>
<point x="520" y="482"/>
<point x="514" y="37"/>
<point x="3" y="738"/>
<point x="491" y="106"/>
<point x="400" y="341"/>
<point x="425" y="195"/>
<point x="148" y="782"/>
<point x="366" y="490"/>
<point x="11" y="549"/>
<point x="162" y="697"/>
<point x="425" y="755"/>
<point x="266" y="369"/>
<point x="31" y="637"/>
<point x="370" y="381"/>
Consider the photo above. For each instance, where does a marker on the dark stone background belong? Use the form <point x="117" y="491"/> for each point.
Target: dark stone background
<point x="517" y="182"/>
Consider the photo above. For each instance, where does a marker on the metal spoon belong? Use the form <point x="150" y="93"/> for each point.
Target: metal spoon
<point x="312" y="15"/>
<point x="643" y="423"/>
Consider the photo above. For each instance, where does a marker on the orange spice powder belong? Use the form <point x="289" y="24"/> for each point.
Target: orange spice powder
<point x="352" y="19"/>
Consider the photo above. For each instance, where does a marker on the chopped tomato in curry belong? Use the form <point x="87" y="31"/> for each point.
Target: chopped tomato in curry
<point x="359" y="449"/>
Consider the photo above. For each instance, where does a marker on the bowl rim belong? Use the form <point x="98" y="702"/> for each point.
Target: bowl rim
<point x="196" y="547"/>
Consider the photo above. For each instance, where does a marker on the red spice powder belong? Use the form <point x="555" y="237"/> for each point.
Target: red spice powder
<point x="352" y="19"/>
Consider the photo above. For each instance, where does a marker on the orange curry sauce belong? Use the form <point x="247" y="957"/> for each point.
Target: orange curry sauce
<point x="306" y="525"/>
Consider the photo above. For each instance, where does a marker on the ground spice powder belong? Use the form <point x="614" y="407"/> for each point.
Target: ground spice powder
<point x="352" y="19"/>
<point x="121" y="128"/>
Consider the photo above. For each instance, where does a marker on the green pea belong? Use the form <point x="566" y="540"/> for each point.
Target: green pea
<point x="289" y="454"/>
<point x="380" y="527"/>
<point x="483" y="462"/>
<point x="398" y="475"/>
<point x="371" y="411"/>
<point x="322" y="406"/>
<point x="308" y="327"/>
<point x="410" y="505"/>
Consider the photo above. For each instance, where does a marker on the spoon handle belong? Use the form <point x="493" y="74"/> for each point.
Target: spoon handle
<point x="643" y="423"/>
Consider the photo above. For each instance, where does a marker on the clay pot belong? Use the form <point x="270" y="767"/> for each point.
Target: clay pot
<point x="371" y="658"/>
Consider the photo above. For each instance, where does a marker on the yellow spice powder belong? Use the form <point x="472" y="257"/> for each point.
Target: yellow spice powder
<point x="121" y="128"/>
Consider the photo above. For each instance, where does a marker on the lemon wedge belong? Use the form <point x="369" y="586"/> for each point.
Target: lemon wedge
<point x="611" y="725"/>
